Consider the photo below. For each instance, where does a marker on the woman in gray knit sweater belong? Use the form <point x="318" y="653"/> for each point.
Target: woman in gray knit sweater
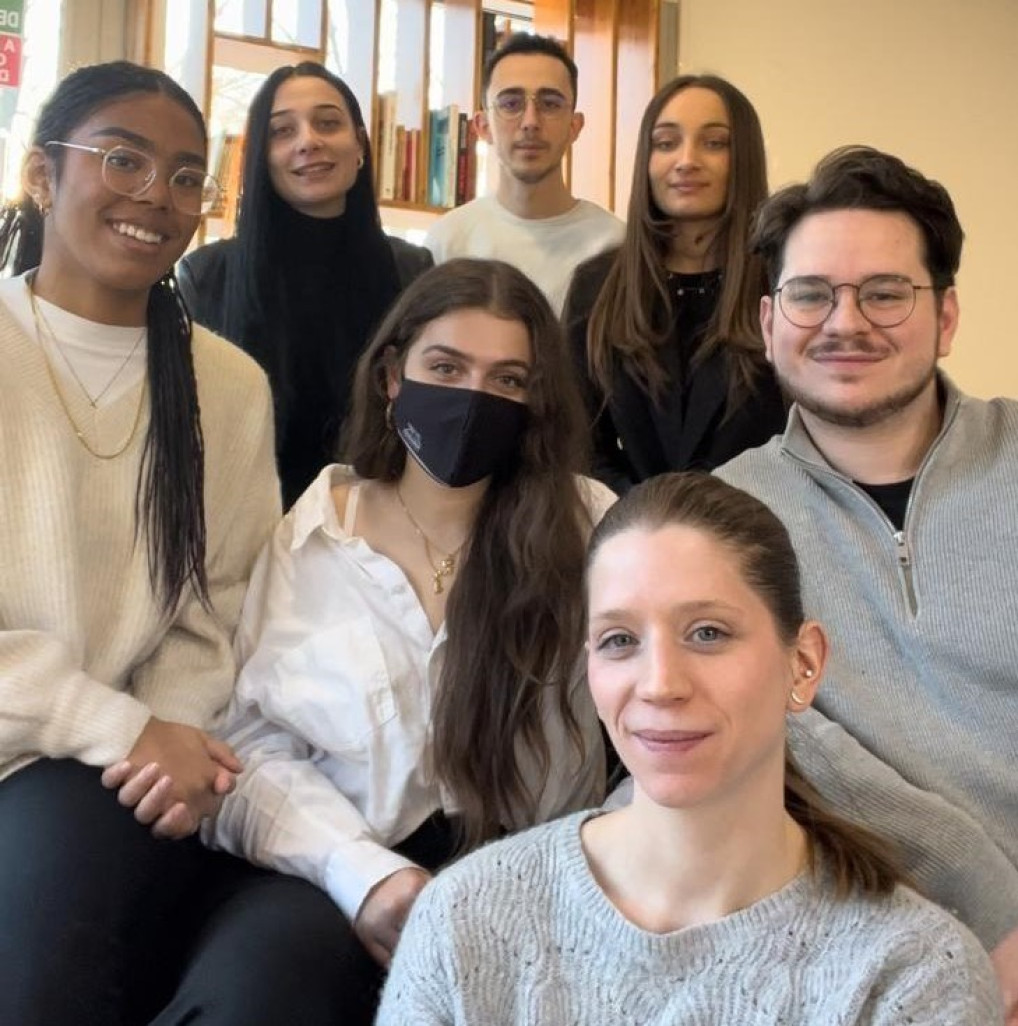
<point x="724" y="892"/>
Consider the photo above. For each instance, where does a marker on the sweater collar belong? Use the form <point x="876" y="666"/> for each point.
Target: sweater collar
<point x="310" y="240"/>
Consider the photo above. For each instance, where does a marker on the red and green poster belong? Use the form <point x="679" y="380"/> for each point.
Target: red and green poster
<point x="12" y="18"/>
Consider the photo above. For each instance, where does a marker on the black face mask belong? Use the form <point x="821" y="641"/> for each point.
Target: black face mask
<point x="457" y="435"/>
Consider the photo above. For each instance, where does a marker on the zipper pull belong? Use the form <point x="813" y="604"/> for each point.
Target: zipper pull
<point x="904" y="559"/>
<point x="905" y="566"/>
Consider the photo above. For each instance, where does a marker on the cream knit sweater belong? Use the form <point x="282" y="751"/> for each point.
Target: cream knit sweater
<point x="86" y="653"/>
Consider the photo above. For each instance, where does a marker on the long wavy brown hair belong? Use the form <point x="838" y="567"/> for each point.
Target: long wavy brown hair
<point x="633" y="315"/>
<point x="515" y="612"/>
<point x="857" y="859"/>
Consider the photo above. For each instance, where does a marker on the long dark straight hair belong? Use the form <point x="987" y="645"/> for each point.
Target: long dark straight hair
<point x="857" y="859"/>
<point x="251" y="278"/>
<point x="170" y="494"/>
<point x="515" y="612"/>
<point x="633" y="314"/>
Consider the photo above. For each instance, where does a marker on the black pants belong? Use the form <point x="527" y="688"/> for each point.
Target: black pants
<point x="103" y="925"/>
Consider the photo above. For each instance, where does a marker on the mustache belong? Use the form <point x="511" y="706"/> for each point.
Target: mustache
<point x="832" y="347"/>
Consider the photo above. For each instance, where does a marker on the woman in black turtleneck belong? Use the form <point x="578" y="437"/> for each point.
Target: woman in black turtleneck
<point x="665" y="330"/>
<point x="310" y="273"/>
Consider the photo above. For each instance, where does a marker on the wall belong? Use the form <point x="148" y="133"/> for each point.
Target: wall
<point x="935" y="82"/>
<point x="93" y="31"/>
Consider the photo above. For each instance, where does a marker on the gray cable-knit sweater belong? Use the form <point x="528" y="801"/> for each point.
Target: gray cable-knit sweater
<point x="520" y="932"/>
<point x="923" y="671"/>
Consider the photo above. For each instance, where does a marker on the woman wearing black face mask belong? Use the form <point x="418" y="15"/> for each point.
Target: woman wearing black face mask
<point x="411" y="636"/>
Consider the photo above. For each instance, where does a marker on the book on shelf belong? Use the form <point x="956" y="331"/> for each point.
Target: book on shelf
<point x="452" y="169"/>
<point x="452" y="153"/>
<point x="399" y="185"/>
<point x="438" y="155"/>
<point x="387" y="146"/>
<point x="412" y="164"/>
<point x="462" y="190"/>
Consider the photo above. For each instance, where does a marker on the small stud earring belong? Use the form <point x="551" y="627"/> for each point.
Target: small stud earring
<point x="808" y="674"/>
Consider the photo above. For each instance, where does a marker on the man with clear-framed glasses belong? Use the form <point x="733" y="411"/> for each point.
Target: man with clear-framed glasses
<point x="529" y="120"/>
<point x="901" y="497"/>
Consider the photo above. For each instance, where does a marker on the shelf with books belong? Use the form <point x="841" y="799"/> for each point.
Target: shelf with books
<point x="424" y="139"/>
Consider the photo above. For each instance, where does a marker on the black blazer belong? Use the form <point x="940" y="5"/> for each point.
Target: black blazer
<point x="628" y="446"/>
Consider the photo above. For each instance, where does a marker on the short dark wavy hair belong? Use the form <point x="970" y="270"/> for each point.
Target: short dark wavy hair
<point x="863" y="178"/>
<point x="525" y="44"/>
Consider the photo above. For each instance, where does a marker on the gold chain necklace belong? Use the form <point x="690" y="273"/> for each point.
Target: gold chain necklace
<point x="93" y="401"/>
<point x="446" y="566"/>
<point x="79" y="434"/>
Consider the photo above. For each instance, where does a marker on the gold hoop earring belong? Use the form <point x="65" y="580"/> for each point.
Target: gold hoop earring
<point x="796" y="698"/>
<point x="360" y="162"/>
<point x="388" y="414"/>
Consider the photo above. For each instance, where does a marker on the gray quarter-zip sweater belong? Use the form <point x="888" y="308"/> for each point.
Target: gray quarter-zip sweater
<point x="923" y="673"/>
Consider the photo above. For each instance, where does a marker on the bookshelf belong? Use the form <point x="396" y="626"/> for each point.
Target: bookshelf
<point x="415" y="65"/>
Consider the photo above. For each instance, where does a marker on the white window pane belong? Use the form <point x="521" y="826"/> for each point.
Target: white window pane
<point x="241" y="17"/>
<point x="297" y="23"/>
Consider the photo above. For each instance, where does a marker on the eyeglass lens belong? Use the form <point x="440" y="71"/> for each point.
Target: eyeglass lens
<point x="131" y="172"/>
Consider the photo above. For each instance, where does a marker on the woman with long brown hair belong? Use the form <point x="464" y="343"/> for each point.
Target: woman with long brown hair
<point x="412" y="635"/>
<point x="725" y="891"/>
<point x="666" y="329"/>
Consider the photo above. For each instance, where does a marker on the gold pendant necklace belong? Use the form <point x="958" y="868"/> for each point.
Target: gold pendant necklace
<point x="446" y="565"/>
<point x="79" y="434"/>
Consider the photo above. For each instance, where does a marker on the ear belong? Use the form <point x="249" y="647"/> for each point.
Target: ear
<point x="809" y="657"/>
<point x="483" y="126"/>
<point x="576" y="125"/>
<point x="947" y="320"/>
<point x="766" y="325"/>
<point x="36" y="177"/>
<point x="392" y="374"/>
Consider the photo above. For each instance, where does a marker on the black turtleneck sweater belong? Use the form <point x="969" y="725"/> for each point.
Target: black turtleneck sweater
<point x="327" y="287"/>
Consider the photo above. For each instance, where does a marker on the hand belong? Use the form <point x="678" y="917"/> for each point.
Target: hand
<point x="173" y="777"/>
<point x="384" y="911"/>
<point x="1005" y="963"/>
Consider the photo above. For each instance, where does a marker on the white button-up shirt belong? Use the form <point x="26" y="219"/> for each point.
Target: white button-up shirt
<point x="332" y="710"/>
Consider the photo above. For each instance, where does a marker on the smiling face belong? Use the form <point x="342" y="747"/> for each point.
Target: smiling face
<point x="315" y="148"/>
<point x="688" y="670"/>
<point x="471" y="348"/>
<point x="846" y="371"/>
<point x="95" y="240"/>
<point x="690" y="156"/>
<point x="530" y="147"/>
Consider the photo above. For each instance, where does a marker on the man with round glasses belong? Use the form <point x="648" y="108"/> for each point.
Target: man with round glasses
<point x="901" y="497"/>
<point x="529" y="120"/>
